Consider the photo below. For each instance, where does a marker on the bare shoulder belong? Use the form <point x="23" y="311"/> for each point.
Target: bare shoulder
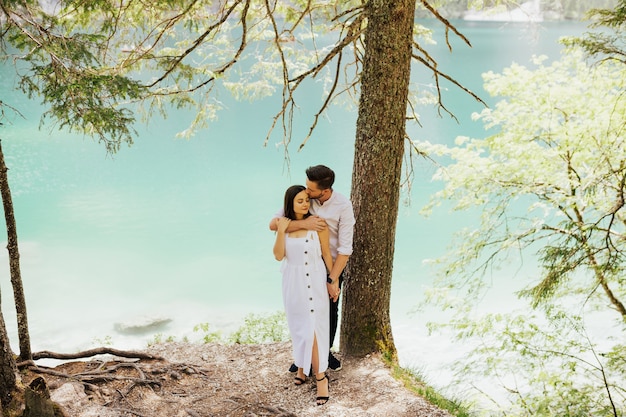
<point x="323" y="234"/>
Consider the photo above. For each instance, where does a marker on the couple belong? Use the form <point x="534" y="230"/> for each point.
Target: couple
<point x="314" y="241"/>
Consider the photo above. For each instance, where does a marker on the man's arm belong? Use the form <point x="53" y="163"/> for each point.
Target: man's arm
<point x="310" y="223"/>
<point x="338" y="267"/>
<point x="345" y="235"/>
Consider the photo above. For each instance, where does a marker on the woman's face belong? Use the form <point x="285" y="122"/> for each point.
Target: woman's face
<point x="301" y="203"/>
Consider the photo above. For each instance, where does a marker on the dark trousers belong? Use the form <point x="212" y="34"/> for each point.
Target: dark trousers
<point x="334" y="314"/>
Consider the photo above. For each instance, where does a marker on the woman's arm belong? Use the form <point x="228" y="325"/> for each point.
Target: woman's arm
<point x="279" y="245"/>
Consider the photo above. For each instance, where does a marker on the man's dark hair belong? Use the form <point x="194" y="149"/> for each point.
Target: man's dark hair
<point x="323" y="176"/>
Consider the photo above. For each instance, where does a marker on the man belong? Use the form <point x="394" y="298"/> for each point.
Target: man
<point x="333" y="210"/>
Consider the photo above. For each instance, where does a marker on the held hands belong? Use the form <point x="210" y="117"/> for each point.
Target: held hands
<point x="333" y="291"/>
<point x="281" y="224"/>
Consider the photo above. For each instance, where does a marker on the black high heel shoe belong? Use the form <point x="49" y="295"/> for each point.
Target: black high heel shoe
<point x="323" y="400"/>
<point x="299" y="380"/>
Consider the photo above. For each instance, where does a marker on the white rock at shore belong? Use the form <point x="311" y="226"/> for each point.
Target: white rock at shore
<point x="141" y="324"/>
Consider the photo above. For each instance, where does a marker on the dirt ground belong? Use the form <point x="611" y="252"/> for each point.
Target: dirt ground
<point x="199" y="380"/>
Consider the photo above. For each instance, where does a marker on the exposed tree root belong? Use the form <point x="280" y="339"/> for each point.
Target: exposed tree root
<point x="127" y="375"/>
<point x="93" y="352"/>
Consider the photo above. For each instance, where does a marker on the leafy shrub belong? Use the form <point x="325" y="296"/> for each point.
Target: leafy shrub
<point x="262" y="329"/>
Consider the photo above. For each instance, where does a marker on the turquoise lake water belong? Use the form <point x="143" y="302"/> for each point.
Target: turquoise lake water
<point x="178" y="228"/>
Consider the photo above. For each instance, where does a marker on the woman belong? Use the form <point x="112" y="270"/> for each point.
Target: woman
<point x="306" y="262"/>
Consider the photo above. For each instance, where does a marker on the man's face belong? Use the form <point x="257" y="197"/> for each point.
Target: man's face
<point x="312" y="190"/>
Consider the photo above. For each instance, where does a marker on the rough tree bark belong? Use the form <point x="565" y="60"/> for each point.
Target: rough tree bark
<point x="14" y="262"/>
<point x="8" y="369"/>
<point x="379" y="149"/>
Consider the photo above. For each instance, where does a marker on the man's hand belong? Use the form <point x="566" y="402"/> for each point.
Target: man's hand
<point x="314" y="223"/>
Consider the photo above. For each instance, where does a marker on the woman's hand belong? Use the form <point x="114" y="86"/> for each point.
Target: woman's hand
<point x="281" y="224"/>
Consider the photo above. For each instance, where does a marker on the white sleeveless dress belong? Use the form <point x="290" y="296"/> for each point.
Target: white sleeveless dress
<point x="306" y="300"/>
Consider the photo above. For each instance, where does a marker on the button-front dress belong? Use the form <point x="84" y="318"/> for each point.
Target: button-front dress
<point x="306" y="300"/>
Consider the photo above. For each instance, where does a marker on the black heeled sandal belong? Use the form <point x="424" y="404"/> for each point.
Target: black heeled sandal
<point x="319" y="400"/>
<point x="299" y="381"/>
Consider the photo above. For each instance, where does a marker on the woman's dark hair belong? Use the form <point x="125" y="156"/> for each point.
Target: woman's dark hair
<point x="290" y="195"/>
<point x="323" y="176"/>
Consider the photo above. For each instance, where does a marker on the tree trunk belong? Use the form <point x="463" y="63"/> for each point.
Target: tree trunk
<point x="379" y="149"/>
<point x="8" y="368"/>
<point x="14" y="262"/>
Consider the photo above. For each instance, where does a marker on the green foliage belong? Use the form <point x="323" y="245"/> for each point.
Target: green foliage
<point x="558" y="148"/>
<point x="546" y="362"/>
<point x="64" y="70"/>
<point x="413" y="380"/>
<point x="101" y="65"/>
<point x="262" y="329"/>
<point x="106" y="341"/>
<point x="159" y="338"/>
<point x="98" y="63"/>
<point x="208" y="336"/>
<point x="610" y="17"/>
<point x="608" y="43"/>
<point x="548" y="180"/>
<point x="257" y="328"/>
